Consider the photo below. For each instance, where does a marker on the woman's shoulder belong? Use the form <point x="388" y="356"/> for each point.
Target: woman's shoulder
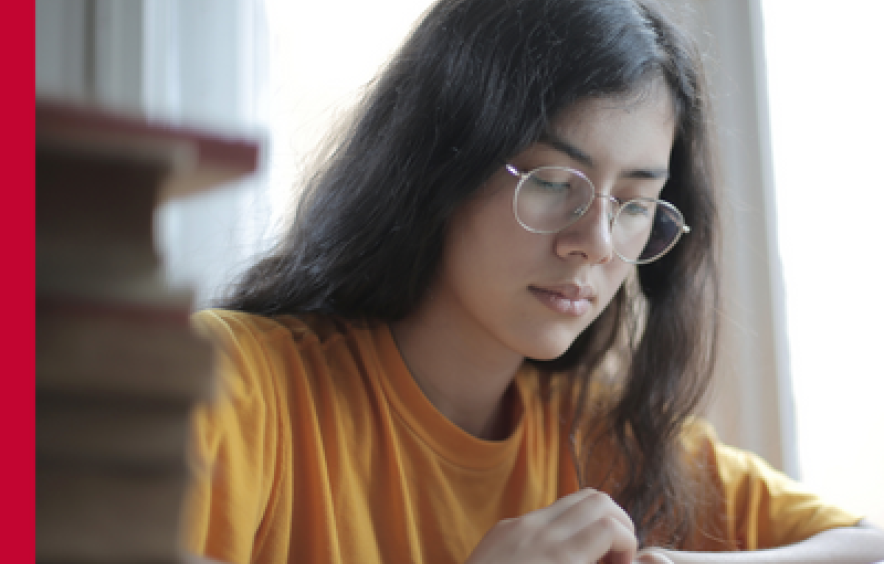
<point x="227" y="326"/>
<point x="274" y="353"/>
<point x="757" y="505"/>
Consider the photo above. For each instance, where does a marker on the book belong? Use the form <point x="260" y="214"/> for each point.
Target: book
<point x="118" y="368"/>
<point x="107" y="515"/>
<point x="111" y="433"/>
<point x="125" y="351"/>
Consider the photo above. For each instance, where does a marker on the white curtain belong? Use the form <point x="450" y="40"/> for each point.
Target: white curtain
<point x="752" y="402"/>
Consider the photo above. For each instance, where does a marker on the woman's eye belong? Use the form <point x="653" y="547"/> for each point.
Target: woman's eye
<point x="550" y="185"/>
<point x="637" y="208"/>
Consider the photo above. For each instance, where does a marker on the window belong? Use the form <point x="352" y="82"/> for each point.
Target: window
<point x="322" y="55"/>
<point x="827" y="121"/>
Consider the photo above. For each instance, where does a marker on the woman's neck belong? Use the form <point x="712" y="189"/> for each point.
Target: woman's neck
<point x="465" y="375"/>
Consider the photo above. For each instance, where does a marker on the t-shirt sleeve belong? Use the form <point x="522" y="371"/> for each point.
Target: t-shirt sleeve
<point x="233" y="449"/>
<point x="763" y="508"/>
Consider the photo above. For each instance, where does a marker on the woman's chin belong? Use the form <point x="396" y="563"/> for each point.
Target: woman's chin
<point x="545" y="349"/>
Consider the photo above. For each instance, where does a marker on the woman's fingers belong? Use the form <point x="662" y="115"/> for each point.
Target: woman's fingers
<point x="592" y="506"/>
<point x="651" y="556"/>
<point x="606" y="538"/>
<point x="194" y="559"/>
<point x="553" y="511"/>
<point x="583" y="527"/>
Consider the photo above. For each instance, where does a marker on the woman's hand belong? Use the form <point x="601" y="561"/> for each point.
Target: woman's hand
<point x="651" y="556"/>
<point x="584" y="527"/>
<point x="194" y="559"/>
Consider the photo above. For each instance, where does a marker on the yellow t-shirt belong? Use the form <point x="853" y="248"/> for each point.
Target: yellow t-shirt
<point x="322" y="448"/>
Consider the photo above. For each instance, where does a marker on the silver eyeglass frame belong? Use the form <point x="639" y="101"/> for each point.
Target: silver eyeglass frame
<point x="617" y="203"/>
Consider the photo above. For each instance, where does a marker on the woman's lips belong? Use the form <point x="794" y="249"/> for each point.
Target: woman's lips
<point x="567" y="300"/>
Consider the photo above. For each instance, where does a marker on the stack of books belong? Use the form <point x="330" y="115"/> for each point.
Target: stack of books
<point x="118" y="368"/>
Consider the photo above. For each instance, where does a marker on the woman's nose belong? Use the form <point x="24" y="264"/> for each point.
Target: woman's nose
<point x="589" y="238"/>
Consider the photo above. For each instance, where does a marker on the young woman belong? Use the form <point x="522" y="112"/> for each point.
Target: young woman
<point x="523" y="205"/>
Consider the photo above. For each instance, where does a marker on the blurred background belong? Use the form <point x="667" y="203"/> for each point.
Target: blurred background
<point x="797" y="105"/>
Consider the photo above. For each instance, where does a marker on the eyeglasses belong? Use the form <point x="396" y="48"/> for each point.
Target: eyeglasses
<point x="551" y="198"/>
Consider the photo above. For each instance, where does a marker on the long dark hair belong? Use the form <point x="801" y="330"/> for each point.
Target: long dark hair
<point x="476" y="83"/>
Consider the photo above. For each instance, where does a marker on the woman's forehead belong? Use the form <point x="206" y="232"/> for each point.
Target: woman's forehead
<point x="654" y="102"/>
<point x="608" y="131"/>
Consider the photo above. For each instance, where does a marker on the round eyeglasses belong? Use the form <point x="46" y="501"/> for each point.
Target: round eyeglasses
<point x="551" y="198"/>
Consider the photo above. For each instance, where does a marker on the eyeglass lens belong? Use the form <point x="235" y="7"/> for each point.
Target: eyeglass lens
<point x="550" y="199"/>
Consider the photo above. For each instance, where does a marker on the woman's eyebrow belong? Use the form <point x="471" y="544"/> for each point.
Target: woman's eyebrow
<point x="561" y="145"/>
